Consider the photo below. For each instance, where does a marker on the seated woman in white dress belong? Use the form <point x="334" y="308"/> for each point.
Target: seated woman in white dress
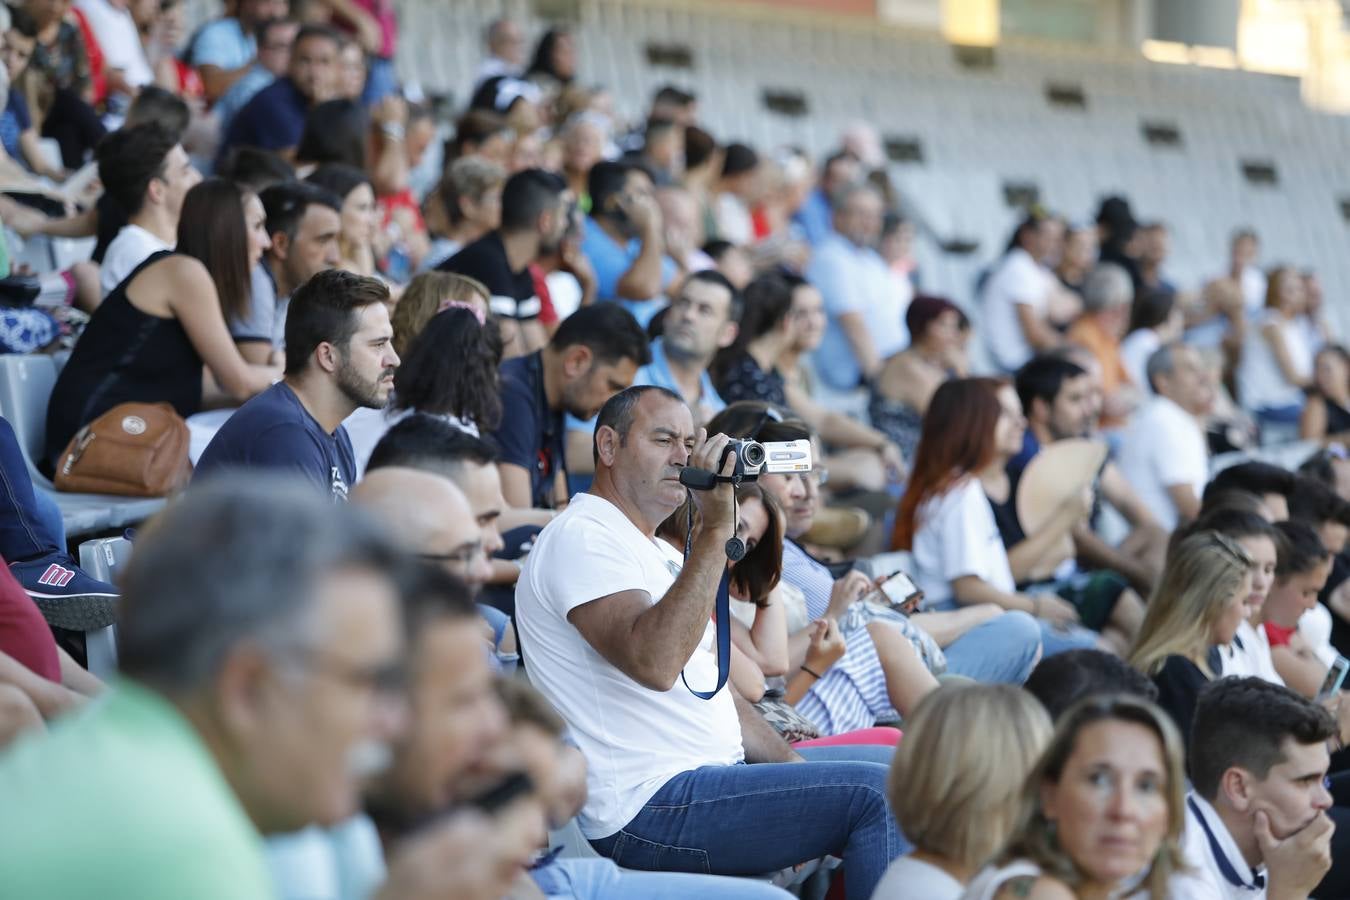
<point x="957" y="798"/>
<point x="1102" y="814"/>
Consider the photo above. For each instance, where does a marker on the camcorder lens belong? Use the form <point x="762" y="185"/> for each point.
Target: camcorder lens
<point x="752" y="454"/>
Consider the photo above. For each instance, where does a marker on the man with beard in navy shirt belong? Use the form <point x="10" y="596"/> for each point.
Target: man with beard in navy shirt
<point x="339" y="357"/>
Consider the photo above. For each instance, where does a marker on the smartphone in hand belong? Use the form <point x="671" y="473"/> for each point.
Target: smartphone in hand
<point x="900" y="593"/>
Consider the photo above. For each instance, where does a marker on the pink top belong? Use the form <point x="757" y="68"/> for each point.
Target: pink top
<point x="383" y="11"/>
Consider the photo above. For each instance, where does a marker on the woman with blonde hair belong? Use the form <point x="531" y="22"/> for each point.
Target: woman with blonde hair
<point x="1196" y="608"/>
<point x="957" y="799"/>
<point x="428" y="294"/>
<point x="1102" y="814"/>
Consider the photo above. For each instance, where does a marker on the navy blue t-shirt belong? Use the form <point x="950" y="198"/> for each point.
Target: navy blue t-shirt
<point x="531" y="435"/>
<point x="274" y="431"/>
<point x="273" y="120"/>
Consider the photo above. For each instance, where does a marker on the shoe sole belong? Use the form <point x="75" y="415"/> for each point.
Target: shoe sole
<point x="77" y="612"/>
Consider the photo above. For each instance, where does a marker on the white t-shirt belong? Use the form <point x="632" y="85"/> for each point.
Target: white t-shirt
<point x="1164" y="446"/>
<point x="119" y="40"/>
<point x="1018" y="281"/>
<point x="1315" y="628"/>
<point x="1202" y="878"/>
<point x="1252" y="658"/>
<point x="1135" y="350"/>
<point x="366" y="426"/>
<point x="132" y="246"/>
<point x="1260" y="382"/>
<point x="911" y="879"/>
<point x="956" y="536"/>
<point x="1253" y="282"/>
<point x="634" y="739"/>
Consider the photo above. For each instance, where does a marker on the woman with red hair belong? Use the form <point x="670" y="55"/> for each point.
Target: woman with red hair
<point x="946" y="521"/>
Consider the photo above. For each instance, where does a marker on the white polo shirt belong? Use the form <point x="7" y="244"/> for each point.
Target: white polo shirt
<point x="1215" y="867"/>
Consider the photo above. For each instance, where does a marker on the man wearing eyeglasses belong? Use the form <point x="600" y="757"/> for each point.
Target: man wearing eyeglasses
<point x="260" y="634"/>
<point x="429" y="516"/>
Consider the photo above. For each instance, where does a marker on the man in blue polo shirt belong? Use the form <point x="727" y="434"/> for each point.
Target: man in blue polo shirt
<point x="339" y="356"/>
<point x="275" y="118"/>
<point x="623" y="239"/>
<point x="703" y="318"/>
<point x="224" y="50"/>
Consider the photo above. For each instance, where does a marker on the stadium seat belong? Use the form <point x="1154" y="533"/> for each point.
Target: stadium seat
<point x="26" y="383"/>
<point x="102" y="558"/>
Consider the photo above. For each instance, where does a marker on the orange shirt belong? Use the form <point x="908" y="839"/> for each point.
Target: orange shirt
<point x="1089" y="333"/>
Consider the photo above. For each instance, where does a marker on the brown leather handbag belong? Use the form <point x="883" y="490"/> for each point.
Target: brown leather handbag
<point x="133" y="449"/>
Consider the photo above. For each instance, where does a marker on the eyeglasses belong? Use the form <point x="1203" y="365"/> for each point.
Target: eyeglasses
<point x="464" y="557"/>
<point x="817" y="476"/>
<point x="387" y="679"/>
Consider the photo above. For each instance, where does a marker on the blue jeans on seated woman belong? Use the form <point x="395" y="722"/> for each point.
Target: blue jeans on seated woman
<point x="1054" y="638"/>
<point x="758" y="819"/>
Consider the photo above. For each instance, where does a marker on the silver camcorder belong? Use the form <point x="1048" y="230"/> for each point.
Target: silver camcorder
<point x="754" y="459"/>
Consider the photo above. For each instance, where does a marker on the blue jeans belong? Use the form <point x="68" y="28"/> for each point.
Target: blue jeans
<point x="753" y="819"/>
<point x="1003" y="650"/>
<point x="30" y="523"/>
<point x="1280" y="415"/>
<point x="1053" y="638"/>
<point x="601" y="879"/>
<point x="868" y="753"/>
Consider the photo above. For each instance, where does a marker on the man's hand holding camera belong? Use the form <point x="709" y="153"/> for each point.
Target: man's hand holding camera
<point x="717" y="506"/>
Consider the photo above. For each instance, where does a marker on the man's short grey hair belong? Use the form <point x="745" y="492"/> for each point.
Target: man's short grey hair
<point x="1162" y="361"/>
<point x="1106" y="287"/>
<point x="235" y="560"/>
<point x="849" y="191"/>
<point x="617" y="413"/>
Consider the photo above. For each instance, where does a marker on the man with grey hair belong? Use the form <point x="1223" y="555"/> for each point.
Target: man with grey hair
<point x="613" y="617"/>
<point x="1164" y="455"/>
<point x="1107" y="295"/>
<point x="865" y="305"/>
<point x="505" y="50"/>
<point x="260" y="638"/>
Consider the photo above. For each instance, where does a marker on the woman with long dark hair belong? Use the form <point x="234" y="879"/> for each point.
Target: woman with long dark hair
<point x="946" y="519"/>
<point x="360" y="218"/>
<point x="555" y="59"/>
<point x="148" y="340"/>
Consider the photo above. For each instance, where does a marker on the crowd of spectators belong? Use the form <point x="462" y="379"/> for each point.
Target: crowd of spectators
<point x="438" y="588"/>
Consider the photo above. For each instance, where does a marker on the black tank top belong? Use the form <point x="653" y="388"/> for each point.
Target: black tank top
<point x="124" y="355"/>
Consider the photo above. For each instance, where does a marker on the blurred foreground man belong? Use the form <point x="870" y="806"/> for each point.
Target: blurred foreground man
<point x="260" y="627"/>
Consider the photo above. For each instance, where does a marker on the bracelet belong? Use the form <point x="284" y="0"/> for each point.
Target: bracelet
<point x="815" y="675"/>
<point x="393" y="131"/>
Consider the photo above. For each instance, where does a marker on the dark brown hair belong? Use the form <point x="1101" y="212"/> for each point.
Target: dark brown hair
<point x="211" y="228"/>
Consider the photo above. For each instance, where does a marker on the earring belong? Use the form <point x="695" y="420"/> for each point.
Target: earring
<point x="1052" y="832"/>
